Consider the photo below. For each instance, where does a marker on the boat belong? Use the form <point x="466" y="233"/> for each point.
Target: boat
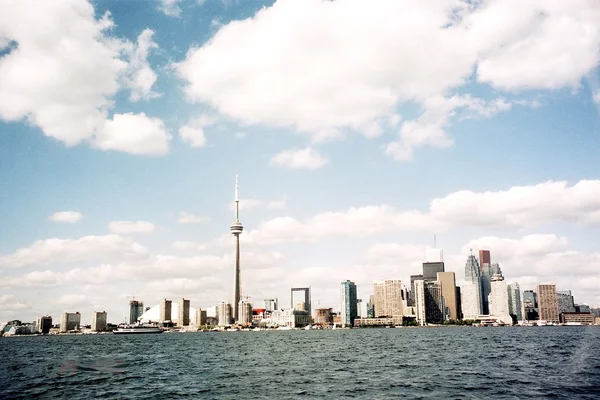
<point x="136" y="329"/>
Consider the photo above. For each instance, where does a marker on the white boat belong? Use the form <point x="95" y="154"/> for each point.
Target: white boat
<point x="136" y="329"/>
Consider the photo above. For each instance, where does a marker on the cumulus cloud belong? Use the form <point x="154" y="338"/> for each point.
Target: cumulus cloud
<point x="170" y="8"/>
<point x="347" y="72"/>
<point x="63" y="72"/>
<point x="134" y="133"/>
<point x="188" y="218"/>
<point x="126" y="227"/>
<point x="47" y="251"/>
<point x="279" y="204"/>
<point x="69" y="217"/>
<point x="141" y="76"/>
<point x="596" y="97"/>
<point x="306" y="158"/>
<point x="193" y="132"/>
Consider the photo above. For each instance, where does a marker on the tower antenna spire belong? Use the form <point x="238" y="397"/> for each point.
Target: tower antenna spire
<point x="237" y="200"/>
<point x="434" y="241"/>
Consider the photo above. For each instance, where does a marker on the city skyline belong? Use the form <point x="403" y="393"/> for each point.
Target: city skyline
<point x="116" y="164"/>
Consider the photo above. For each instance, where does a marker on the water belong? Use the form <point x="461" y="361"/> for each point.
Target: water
<point x="449" y="363"/>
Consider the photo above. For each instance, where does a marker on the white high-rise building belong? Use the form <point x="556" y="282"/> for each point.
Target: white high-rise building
<point x="224" y="313"/>
<point x="420" y="306"/>
<point x="388" y="298"/>
<point x="245" y="310"/>
<point x="499" y="307"/>
<point x="471" y="289"/>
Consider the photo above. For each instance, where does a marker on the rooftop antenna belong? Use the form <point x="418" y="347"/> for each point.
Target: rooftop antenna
<point x="434" y="242"/>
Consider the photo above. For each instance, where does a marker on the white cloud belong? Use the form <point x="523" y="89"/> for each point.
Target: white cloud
<point x="170" y="8"/>
<point x="126" y="227"/>
<point x="47" y="251"/>
<point x="294" y="67"/>
<point x="9" y="303"/>
<point x="71" y="300"/>
<point x="134" y="133"/>
<point x="279" y="205"/>
<point x="188" y="218"/>
<point x="596" y="97"/>
<point x="141" y="76"/>
<point x="240" y="135"/>
<point x="69" y="217"/>
<point x="63" y="73"/>
<point x="193" y="132"/>
<point x="306" y="158"/>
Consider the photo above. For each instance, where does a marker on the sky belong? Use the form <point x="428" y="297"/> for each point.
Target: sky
<point x="359" y="130"/>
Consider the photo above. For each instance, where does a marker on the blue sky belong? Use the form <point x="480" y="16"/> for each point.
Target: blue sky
<point x="358" y="131"/>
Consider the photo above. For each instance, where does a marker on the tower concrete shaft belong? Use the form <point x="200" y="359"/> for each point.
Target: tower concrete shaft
<point x="236" y="230"/>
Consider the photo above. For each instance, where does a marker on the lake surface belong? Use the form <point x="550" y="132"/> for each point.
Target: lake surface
<point x="448" y="363"/>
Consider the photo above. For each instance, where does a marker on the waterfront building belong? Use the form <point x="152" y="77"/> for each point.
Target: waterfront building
<point x="411" y="297"/>
<point x="184" y="312"/>
<point x="514" y="301"/>
<point x="530" y="305"/>
<point x="471" y="290"/>
<point x="236" y="231"/>
<point x="323" y="316"/>
<point x="306" y="291"/>
<point x="348" y="304"/>
<point x="486" y="288"/>
<point x="484" y="258"/>
<point x="459" y="303"/>
<point x="420" y="306"/>
<point x="547" y="302"/>
<point x="583" y="318"/>
<point x="270" y="305"/>
<point x="448" y="282"/>
<point x="385" y="321"/>
<point x="43" y="324"/>
<point x="499" y="303"/>
<point x="434" y="302"/>
<point x="371" y="307"/>
<point x="99" y="321"/>
<point x="565" y="301"/>
<point x="153" y="314"/>
<point x="290" y="318"/>
<point x="584" y="308"/>
<point x="165" y="310"/>
<point x="388" y="298"/>
<point x="70" y="321"/>
<point x="245" y="309"/>
<point x="224" y="313"/>
<point x="200" y="317"/>
<point x="136" y="309"/>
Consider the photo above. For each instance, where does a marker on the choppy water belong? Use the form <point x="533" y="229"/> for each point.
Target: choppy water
<point x="448" y="363"/>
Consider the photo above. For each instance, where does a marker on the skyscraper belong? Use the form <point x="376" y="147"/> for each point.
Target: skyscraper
<point x="530" y="305"/>
<point x="136" y="309"/>
<point x="348" y="305"/>
<point x="165" y="310"/>
<point x="388" y="298"/>
<point x="184" y="312"/>
<point x="471" y="289"/>
<point x="434" y="303"/>
<point x="514" y="301"/>
<point x="484" y="258"/>
<point x="547" y="302"/>
<point x="448" y="282"/>
<point x="434" y="263"/>
<point x="565" y="301"/>
<point x="411" y="298"/>
<point x="43" y="324"/>
<point x="224" y="313"/>
<point x="245" y="308"/>
<point x="236" y="230"/>
<point x="486" y="287"/>
<point x="270" y="305"/>
<point x="371" y="307"/>
<point x="420" y="305"/>
<point x="499" y="306"/>
<point x="70" y="321"/>
<point x="99" y="321"/>
<point x="200" y="317"/>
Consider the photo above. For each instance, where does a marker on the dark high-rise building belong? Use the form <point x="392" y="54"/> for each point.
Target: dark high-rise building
<point x="165" y="310"/>
<point x="530" y="305"/>
<point x="411" y="297"/>
<point x="484" y="258"/>
<point x="434" y="303"/>
<point x="431" y="269"/>
<point x="43" y="324"/>
<point x="371" y="307"/>
<point x="349" y="310"/>
<point x="486" y="287"/>
<point x="565" y="301"/>
<point x="459" y="303"/>
<point x="136" y="309"/>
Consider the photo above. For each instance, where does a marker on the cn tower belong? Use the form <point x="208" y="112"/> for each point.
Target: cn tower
<point x="236" y="230"/>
